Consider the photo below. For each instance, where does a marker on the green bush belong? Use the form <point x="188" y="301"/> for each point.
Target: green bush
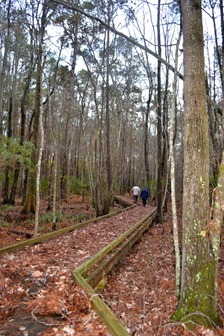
<point x="44" y="186"/>
<point x="77" y="186"/>
<point x="11" y="152"/>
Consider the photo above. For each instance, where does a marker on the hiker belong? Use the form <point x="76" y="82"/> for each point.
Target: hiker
<point x="135" y="191"/>
<point x="144" y="195"/>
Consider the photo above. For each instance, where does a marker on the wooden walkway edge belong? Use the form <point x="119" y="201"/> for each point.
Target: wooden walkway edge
<point x="120" y="246"/>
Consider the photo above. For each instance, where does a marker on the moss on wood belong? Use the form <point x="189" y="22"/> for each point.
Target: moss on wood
<point x="108" y="317"/>
<point x="196" y="306"/>
<point x="106" y="266"/>
<point x="128" y="238"/>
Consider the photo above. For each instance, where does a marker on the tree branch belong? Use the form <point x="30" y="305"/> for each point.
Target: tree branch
<point x="131" y="40"/>
<point x="128" y="38"/>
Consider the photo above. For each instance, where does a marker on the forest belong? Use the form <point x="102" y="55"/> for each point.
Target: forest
<point x="98" y="96"/>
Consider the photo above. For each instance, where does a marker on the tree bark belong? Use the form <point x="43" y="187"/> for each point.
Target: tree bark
<point x="7" y="169"/>
<point x="3" y="74"/>
<point x="198" y="302"/>
<point x="29" y="205"/>
<point x="173" y="174"/>
<point x="159" y="192"/>
<point x="146" y="138"/>
<point x="39" y="161"/>
<point x="22" y="129"/>
<point x="108" y="152"/>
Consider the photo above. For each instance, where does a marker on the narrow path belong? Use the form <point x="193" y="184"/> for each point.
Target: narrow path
<point x="38" y="295"/>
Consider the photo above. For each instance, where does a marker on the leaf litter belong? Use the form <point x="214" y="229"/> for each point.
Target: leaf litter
<point x="39" y="297"/>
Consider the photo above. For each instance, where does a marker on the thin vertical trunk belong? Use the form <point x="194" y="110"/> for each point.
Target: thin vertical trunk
<point x="165" y="142"/>
<point x="108" y="153"/>
<point x="146" y="138"/>
<point x="63" y="180"/>
<point x="215" y="141"/>
<point x="39" y="161"/>
<point x="159" y="126"/>
<point x="54" y="220"/>
<point x="216" y="40"/>
<point x="70" y="111"/>
<point x="3" y="74"/>
<point x="121" y="146"/>
<point x="218" y="210"/>
<point x="172" y="173"/>
<point x="7" y="169"/>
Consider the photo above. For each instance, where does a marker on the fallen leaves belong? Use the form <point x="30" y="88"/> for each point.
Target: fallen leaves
<point x="48" y="304"/>
<point x="37" y="283"/>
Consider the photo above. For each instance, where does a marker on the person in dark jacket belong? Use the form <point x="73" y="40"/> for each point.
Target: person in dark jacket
<point x="144" y="195"/>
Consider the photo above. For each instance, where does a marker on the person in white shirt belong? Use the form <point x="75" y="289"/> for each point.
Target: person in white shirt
<point x="135" y="191"/>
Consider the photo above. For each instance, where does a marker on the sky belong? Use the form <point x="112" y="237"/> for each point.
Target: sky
<point x="145" y="25"/>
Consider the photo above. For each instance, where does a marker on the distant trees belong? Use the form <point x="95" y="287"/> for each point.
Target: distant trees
<point x="106" y="100"/>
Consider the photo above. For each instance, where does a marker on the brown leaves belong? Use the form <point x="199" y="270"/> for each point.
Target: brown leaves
<point x="141" y="290"/>
<point x="212" y="227"/>
<point x="48" y="304"/>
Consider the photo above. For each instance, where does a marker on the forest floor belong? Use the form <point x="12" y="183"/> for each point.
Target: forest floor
<point x="39" y="297"/>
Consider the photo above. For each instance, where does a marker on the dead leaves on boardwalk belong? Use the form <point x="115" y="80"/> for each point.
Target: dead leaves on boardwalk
<point x="39" y="297"/>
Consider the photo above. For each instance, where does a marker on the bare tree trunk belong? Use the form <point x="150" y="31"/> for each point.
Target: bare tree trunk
<point x="7" y="169"/>
<point x="49" y="185"/>
<point x="165" y="143"/>
<point x="218" y="207"/>
<point x="172" y="174"/>
<point x="54" y="220"/>
<point x="4" y="64"/>
<point x="36" y="228"/>
<point x="159" y="192"/>
<point x="198" y="303"/>
<point x="108" y="154"/>
<point x="70" y="111"/>
<point x="22" y="128"/>
<point x="29" y="205"/>
<point x="146" y="137"/>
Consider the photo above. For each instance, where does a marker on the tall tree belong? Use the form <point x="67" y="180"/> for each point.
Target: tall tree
<point x="29" y="205"/>
<point x="71" y="31"/>
<point x="159" y="125"/>
<point x="198" y="303"/>
<point x="4" y="63"/>
<point x="23" y="106"/>
<point x="5" y="74"/>
<point x="107" y="107"/>
<point x="172" y="172"/>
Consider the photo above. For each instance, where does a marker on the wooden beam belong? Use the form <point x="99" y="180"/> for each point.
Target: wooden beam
<point x="105" y="267"/>
<point x="103" y="311"/>
<point x="128" y="239"/>
<point x="83" y="269"/>
<point x="51" y="235"/>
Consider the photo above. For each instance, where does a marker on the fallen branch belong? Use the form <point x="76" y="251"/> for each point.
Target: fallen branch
<point x="40" y="322"/>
